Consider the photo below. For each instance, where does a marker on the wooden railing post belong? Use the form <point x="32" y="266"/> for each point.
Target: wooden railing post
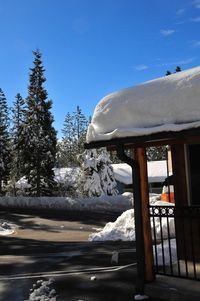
<point x="140" y="156"/>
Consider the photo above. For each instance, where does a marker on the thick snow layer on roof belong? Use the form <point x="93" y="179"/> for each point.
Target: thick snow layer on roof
<point x="157" y="172"/>
<point x="170" y="103"/>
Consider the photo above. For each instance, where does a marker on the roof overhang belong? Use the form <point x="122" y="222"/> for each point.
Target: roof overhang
<point x="164" y="138"/>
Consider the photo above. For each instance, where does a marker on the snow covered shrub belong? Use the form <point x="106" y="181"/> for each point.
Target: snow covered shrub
<point x="97" y="177"/>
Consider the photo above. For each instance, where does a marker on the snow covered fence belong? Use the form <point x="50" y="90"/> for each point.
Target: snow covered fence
<point x="117" y="203"/>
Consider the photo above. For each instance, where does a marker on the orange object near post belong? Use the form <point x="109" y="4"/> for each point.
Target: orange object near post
<point x="168" y="194"/>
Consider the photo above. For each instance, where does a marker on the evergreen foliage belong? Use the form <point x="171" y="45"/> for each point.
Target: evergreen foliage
<point x="97" y="177"/>
<point x="4" y="142"/>
<point x="178" y="69"/>
<point x="17" y="143"/>
<point x="74" y="135"/>
<point x="155" y="153"/>
<point x="40" y="135"/>
<point x="168" y="72"/>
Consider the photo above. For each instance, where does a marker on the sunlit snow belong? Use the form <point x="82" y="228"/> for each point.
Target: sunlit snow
<point x="169" y="103"/>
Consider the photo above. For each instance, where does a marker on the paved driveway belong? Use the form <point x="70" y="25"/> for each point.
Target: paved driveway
<point x="56" y="245"/>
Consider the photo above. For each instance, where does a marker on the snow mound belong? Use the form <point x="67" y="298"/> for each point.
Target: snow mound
<point x="43" y="291"/>
<point x="169" y="103"/>
<point x="124" y="227"/>
<point x="7" y="228"/>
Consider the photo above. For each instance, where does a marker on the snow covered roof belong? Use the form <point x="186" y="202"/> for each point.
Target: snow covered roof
<point x="170" y="103"/>
<point x="157" y="172"/>
<point x="62" y="175"/>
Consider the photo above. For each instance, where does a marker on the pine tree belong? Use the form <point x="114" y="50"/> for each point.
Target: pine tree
<point x="90" y="182"/>
<point x="40" y="154"/>
<point x="17" y="143"/>
<point x="97" y="177"/>
<point x="67" y="147"/>
<point x="168" y="72"/>
<point x="72" y="144"/>
<point x="105" y="170"/>
<point x="178" y="69"/>
<point x="155" y="153"/>
<point x="4" y="142"/>
<point x="79" y="129"/>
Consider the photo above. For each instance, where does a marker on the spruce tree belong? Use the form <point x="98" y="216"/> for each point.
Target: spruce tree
<point x="97" y="176"/>
<point x="67" y="147"/>
<point x="4" y="142"/>
<point x="40" y="147"/>
<point x="105" y="170"/>
<point x="168" y="72"/>
<point x="79" y="129"/>
<point x="178" y="69"/>
<point x="72" y="144"/>
<point x="17" y="143"/>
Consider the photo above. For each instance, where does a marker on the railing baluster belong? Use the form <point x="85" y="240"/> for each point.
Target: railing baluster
<point x="187" y="222"/>
<point x="169" y="243"/>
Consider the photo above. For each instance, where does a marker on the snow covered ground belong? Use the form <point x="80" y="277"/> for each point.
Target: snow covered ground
<point x="117" y="203"/>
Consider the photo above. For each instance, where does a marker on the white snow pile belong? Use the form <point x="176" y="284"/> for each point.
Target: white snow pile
<point x="43" y="291"/>
<point x="7" y="228"/>
<point x="117" y="203"/>
<point x="124" y="227"/>
<point x="169" y="103"/>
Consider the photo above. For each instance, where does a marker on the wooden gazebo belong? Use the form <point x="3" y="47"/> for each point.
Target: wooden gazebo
<point x="165" y="111"/>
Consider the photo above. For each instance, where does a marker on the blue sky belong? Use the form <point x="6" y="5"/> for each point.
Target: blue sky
<point x="93" y="47"/>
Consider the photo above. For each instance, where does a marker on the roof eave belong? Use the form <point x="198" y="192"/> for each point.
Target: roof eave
<point x="161" y="138"/>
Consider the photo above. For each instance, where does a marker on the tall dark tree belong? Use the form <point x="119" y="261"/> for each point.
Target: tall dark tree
<point x="74" y="134"/>
<point x="178" y="69"/>
<point x="168" y="72"/>
<point x="4" y="142"/>
<point x="40" y="146"/>
<point x="66" y="147"/>
<point x="79" y="129"/>
<point x="17" y="134"/>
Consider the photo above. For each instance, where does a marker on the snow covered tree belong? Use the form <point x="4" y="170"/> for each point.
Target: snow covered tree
<point x="4" y="142"/>
<point x="17" y="143"/>
<point x="106" y="173"/>
<point x="90" y="182"/>
<point x="40" y="140"/>
<point x="97" y="177"/>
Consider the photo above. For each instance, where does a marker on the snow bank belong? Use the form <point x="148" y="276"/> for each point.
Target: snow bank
<point x="117" y="203"/>
<point x="170" y="103"/>
<point x="124" y="227"/>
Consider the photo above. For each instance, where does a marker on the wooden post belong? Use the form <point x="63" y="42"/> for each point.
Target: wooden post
<point x="140" y="154"/>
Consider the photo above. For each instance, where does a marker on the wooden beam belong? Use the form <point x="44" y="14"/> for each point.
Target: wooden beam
<point x="140" y="154"/>
<point x="160" y="138"/>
